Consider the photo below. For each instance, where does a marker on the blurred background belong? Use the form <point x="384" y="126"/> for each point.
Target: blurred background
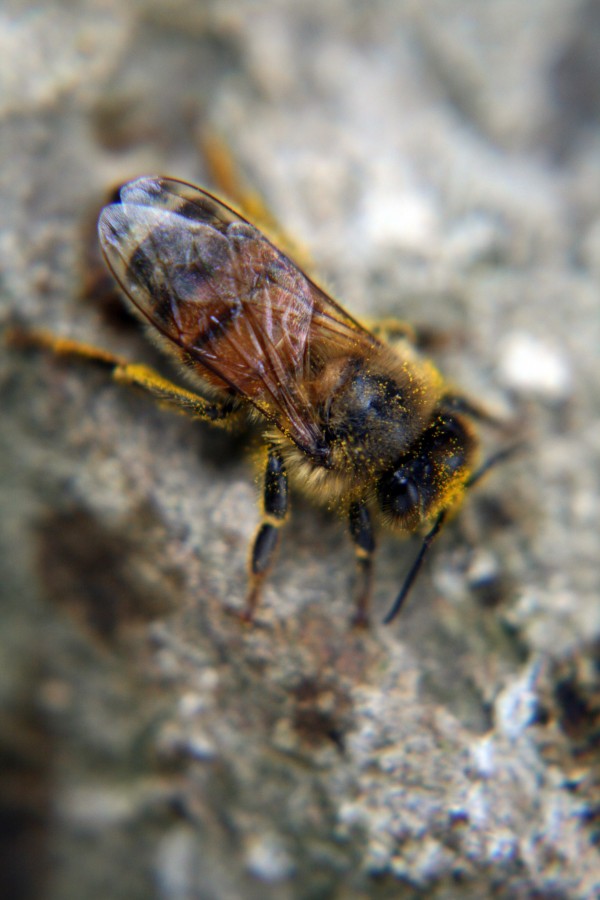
<point x="439" y="162"/>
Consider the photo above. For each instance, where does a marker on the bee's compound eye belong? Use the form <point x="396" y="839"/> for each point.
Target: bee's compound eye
<point x="399" y="497"/>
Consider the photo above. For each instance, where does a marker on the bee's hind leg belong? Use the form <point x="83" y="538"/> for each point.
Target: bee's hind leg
<point x="266" y="539"/>
<point x="124" y="372"/>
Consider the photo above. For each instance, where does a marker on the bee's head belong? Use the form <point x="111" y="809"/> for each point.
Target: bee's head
<point x="425" y="479"/>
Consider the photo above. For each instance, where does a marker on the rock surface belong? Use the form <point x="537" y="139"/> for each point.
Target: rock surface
<point x="441" y="163"/>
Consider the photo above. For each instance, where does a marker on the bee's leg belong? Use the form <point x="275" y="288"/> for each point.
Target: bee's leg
<point x="227" y="177"/>
<point x="361" y="532"/>
<point x="393" y="331"/>
<point x="266" y="539"/>
<point x="129" y="373"/>
<point x="198" y="407"/>
<point x="461" y="404"/>
<point x="422" y="338"/>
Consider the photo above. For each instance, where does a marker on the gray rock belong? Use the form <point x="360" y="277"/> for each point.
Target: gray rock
<point x="441" y="164"/>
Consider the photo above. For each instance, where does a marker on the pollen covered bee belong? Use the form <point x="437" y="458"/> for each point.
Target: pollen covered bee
<point x="362" y="425"/>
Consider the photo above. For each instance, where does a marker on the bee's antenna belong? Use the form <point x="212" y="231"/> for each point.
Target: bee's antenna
<point x="493" y="460"/>
<point x="414" y="569"/>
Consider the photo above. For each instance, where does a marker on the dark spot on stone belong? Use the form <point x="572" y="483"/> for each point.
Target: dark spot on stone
<point x="322" y="713"/>
<point x="98" y="575"/>
<point x="575" y="711"/>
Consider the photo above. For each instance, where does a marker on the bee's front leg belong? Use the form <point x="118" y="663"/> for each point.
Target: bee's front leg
<point x="266" y="539"/>
<point x="361" y="532"/>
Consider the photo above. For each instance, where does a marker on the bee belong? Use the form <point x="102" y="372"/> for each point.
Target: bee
<point x="359" y="423"/>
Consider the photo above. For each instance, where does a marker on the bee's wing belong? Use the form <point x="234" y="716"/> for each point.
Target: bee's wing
<point x="215" y="287"/>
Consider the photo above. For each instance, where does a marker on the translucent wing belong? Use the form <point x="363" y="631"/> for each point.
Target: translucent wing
<point x="215" y="287"/>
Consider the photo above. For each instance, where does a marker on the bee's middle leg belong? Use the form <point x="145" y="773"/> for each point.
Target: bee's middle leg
<point x="266" y="539"/>
<point x="361" y="532"/>
<point x="393" y="331"/>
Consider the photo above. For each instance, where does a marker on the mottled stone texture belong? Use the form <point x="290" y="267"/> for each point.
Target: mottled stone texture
<point x="441" y="162"/>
